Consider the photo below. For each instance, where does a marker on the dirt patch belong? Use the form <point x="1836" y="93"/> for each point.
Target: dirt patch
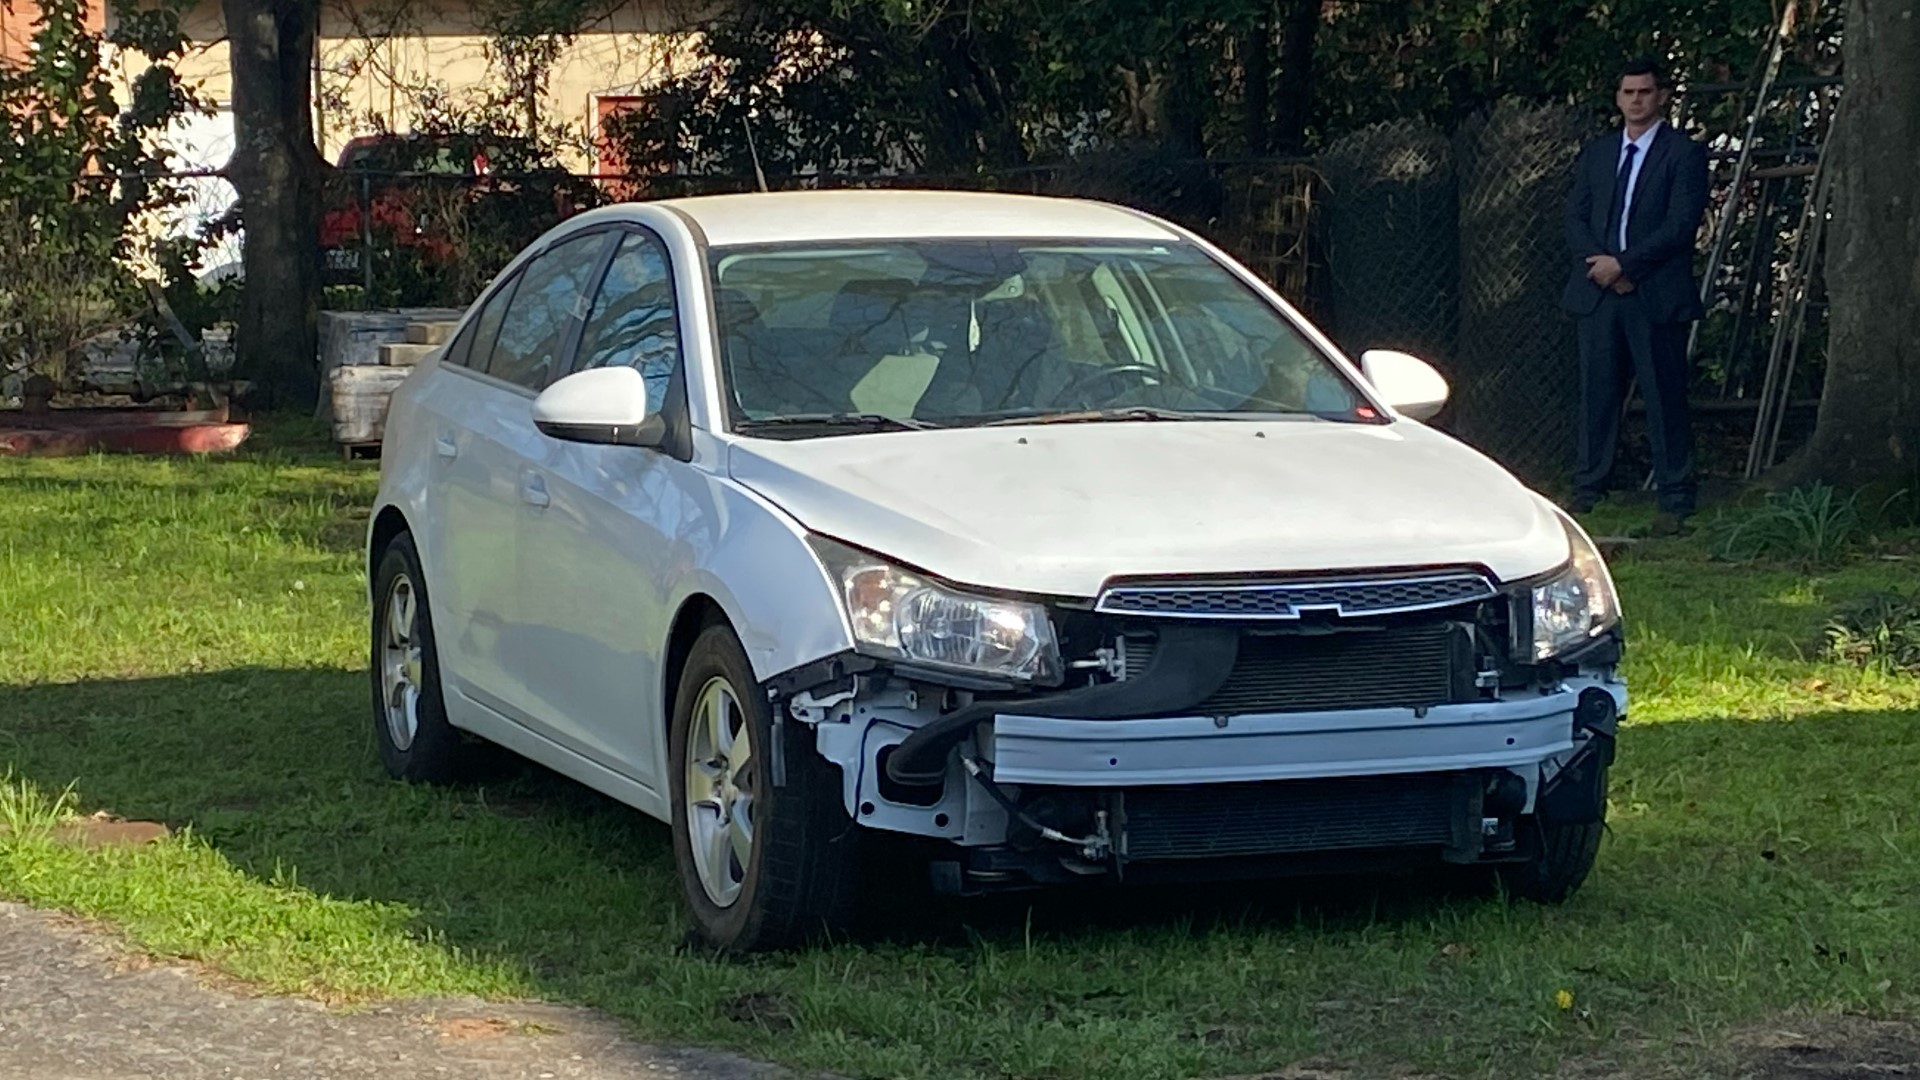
<point x="475" y="1027"/>
<point x="1831" y="1048"/>
<point x="1796" y="1046"/>
<point x="1319" y="1070"/>
<point x="102" y="830"/>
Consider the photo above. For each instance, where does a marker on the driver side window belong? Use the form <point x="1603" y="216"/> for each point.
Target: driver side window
<point x="633" y="322"/>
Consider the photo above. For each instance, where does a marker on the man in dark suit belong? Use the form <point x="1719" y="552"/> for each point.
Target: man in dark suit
<point x="1638" y="197"/>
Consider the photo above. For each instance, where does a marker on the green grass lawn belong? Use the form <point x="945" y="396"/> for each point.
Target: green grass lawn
<point x="183" y="641"/>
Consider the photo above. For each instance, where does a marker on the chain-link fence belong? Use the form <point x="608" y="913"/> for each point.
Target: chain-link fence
<point x="1398" y="236"/>
<point x="1393" y="240"/>
<point x="1272" y="219"/>
<point x="1515" y="371"/>
<point x="1451" y="248"/>
<point x="393" y="239"/>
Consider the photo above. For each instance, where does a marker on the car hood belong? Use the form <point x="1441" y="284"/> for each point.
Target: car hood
<point x="1059" y="510"/>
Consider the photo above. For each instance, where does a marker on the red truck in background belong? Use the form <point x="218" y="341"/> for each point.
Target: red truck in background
<point x="390" y="195"/>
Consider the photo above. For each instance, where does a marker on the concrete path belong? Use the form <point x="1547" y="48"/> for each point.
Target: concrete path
<point x="77" y="1006"/>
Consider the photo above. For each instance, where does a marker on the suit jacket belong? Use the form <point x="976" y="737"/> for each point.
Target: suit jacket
<point x="1669" y="199"/>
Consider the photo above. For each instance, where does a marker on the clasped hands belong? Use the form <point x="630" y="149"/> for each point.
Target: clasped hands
<point x="1604" y="271"/>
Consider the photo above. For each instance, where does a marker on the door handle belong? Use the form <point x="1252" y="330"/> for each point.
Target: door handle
<point x="533" y="490"/>
<point x="444" y="445"/>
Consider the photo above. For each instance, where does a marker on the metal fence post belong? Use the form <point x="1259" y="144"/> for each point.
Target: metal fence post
<point x="366" y="236"/>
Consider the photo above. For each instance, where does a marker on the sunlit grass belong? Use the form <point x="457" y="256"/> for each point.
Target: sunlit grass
<point x="183" y="641"/>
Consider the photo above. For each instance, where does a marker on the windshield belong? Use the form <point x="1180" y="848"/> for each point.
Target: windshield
<point x="945" y="333"/>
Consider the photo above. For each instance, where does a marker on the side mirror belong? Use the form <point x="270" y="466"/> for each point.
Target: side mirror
<point x="600" y="405"/>
<point x="1408" y="383"/>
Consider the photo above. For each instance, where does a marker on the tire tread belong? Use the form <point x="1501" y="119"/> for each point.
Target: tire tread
<point x="805" y="882"/>
<point x="438" y="755"/>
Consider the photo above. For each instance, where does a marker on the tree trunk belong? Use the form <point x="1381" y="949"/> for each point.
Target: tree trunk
<point x="1188" y="99"/>
<point x="1868" y="429"/>
<point x="977" y="126"/>
<point x="1294" y="92"/>
<point x="276" y="171"/>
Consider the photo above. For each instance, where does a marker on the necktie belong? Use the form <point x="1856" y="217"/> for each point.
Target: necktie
<point x="1618" y="208"/>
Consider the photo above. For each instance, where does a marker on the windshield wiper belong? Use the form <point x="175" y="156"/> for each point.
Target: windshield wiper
<point x="1096" y="416"/>
<point x="1143" y="412"/>
<point x="859" y="421"/>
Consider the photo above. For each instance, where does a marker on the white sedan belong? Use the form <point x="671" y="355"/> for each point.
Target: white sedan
<point x="1038" y="529"/>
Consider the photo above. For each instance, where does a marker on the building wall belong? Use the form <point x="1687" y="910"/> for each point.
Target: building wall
<point x="18" y="21"/>
<point x="374" y="58"/>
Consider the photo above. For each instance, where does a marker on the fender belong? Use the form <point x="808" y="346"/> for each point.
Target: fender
<point x="760" y="571"/>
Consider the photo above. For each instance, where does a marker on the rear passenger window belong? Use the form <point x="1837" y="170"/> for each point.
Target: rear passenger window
<point x="486" y="327"/>
<point x="456" y="350"/>
<point x="547" y="300"/>
<point x="633" y="323"/>
<point x="462" y="344"/>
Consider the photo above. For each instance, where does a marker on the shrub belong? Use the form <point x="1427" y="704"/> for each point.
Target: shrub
<point x="75" y="170"/>
<point x="1812" y="524"/>
<point x="1880" y="631"/>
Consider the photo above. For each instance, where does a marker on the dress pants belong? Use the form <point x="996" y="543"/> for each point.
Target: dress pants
<point x="1617" y="342"/>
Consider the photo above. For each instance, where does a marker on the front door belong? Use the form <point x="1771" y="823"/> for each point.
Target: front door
<point x="599" y="563"/>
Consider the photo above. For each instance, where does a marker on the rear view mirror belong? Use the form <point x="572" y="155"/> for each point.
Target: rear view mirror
<point x="600" y="405"/>
<point x="1410" y="385"/>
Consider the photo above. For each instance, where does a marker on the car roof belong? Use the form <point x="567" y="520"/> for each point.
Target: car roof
<point x="787" y="217"/>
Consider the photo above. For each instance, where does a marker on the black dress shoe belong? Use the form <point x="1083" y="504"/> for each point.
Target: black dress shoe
<point x="1582" y="503"/>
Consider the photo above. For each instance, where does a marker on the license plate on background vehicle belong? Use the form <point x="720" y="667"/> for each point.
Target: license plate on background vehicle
<point x="343" y="259"/>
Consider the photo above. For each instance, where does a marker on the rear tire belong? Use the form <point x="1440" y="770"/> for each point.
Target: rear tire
<point x="761" y="866"/>
<point x="409" y="713"/>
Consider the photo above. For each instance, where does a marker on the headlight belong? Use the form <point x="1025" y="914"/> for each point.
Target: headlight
<point x="1576" y="606"/>
<point x="899" y="615"/>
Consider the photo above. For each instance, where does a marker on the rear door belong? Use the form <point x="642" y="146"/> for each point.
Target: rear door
<point x="470" y="512"/>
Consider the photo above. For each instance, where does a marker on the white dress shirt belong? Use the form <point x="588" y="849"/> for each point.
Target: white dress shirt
<point x="1644" y="143"/>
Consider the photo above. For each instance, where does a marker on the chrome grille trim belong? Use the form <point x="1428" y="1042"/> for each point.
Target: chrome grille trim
<point x="1292" y="599"/>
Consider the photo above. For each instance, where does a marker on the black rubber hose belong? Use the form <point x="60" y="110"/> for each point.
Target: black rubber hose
<point x="1190" y="663"/>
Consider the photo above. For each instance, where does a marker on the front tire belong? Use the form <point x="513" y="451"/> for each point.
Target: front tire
<point x="1561" y="853"/>
<point x="409" y="713"/>
<point x="761" y="866"/>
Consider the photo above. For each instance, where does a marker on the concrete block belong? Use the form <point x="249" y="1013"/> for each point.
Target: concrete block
<point x="400" y="354"/>
<point x="429" y="333"/>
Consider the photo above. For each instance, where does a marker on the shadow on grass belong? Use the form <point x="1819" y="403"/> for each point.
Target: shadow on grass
<point x="1774" y="846"/>
<point x="277" y="768"/>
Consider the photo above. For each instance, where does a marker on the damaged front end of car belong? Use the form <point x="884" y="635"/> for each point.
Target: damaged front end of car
<point x="1217" y="727"/>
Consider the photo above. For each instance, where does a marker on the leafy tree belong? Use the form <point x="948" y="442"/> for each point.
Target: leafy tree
<point x="944" y="86"/>
<point x="74" y="175"/>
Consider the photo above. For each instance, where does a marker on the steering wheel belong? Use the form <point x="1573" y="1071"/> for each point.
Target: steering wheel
<point x="1146" y="372"/>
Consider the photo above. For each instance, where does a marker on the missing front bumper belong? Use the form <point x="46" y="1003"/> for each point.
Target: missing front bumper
<point x="1206" y="796"/>
<point x="1280" y="828"/>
